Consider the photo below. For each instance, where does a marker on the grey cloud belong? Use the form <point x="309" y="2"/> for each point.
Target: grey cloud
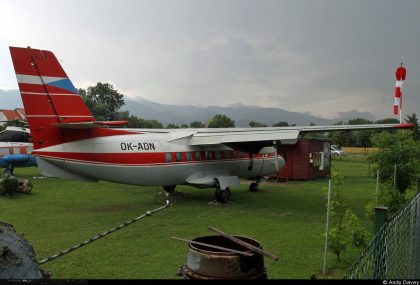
<point x="318" y="56"/>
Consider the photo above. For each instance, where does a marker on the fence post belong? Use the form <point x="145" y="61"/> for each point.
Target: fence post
<point x="380" y="248"/>
<point x="324" y="271"/>
<point x="417" y="233"/>
<point x="418" y="184"/>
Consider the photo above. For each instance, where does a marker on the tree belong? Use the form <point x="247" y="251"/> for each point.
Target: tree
<point x="346" y="227"/>
<point x="221" y="121"/>
<point x="361" y="137"/>
<point x="338" y="237"/>
<point x="387" y="121"/>
<point x="396" y="149"/>
<point x="282" y="124"/>
<point x="135" y="122"/>
<point x="196" y="125"/>
<point x="172" y="126"/>
<point x="253" y="124"/>
<point x="355" y="228"/>
<point x="338" y="137"/>
<point x="412" y="119"/>
<point x="103" y="101"/>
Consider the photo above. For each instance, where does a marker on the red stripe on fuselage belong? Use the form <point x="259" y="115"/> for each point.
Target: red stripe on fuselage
<point x="143" y="158"/>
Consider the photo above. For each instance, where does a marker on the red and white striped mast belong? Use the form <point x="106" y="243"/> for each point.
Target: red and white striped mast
<point x="400" y="74"/>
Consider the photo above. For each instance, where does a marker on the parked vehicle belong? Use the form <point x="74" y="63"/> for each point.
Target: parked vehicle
<point x="336" y="150"/>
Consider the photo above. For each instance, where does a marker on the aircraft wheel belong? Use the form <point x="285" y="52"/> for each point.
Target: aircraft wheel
<point x="222" y="196"/>
<point x="253" y="187"/>
<point x="169" y="188"/>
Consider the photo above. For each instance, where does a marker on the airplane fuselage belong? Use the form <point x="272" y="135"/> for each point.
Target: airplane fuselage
<point x="150" y="159"/>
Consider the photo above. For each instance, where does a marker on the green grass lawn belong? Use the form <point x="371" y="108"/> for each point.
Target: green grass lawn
<point x="288" y="219"/>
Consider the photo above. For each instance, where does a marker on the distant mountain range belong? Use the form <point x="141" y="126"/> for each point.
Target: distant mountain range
<point x="241" y="114"/>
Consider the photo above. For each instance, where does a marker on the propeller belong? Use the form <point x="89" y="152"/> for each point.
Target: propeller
<point x="279" y="160"/>
<point x="276" y="150"/>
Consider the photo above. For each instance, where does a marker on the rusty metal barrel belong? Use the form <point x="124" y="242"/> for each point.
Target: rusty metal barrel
<point x="209" y="263"/>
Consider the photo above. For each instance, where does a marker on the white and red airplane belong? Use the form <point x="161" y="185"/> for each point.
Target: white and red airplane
<point x="70" y="143"/>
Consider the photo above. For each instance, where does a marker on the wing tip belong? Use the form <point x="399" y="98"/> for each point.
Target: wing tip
<point x="404" y="126"/>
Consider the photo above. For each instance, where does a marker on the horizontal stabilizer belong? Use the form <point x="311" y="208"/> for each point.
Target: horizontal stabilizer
<point x="89" y="125"/>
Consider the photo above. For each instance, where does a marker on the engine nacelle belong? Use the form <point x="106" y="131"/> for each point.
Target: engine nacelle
<point x="266" y="162"/>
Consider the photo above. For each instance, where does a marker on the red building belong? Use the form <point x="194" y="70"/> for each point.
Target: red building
<point x="307" y="159"/>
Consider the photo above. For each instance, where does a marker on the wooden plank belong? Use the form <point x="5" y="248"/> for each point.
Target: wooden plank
<point x="214" y="246"/>
<point x="245" y="244"/>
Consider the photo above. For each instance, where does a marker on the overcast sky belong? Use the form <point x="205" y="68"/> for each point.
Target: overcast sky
<point x="321" y="57"/>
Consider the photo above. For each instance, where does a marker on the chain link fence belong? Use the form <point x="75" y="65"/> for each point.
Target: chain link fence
<point x="394" y="253"/>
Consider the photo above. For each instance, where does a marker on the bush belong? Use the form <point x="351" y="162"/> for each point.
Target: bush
<point x="355" y="228"/>
<point x="9" y="185"/>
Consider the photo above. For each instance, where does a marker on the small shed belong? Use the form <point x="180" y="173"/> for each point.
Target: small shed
<point x="307" y="159"/>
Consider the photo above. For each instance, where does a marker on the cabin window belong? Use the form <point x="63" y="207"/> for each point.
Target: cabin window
<point x="227" y="154"/>
<point x="218" y="155"/>
<point x="197" y="155"/>
<point x="188" y="156"/>
<point x="4" y="151"/>
<point x="178" y="156"/>
<point x="168" y="157"/>
<point x="208" y="155"/>
<point x="235" y="154"/>
<point x="16" y="150"/>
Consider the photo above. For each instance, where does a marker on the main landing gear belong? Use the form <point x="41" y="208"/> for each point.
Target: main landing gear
<point x="222" y="195"/>
<point x="254" y="186"/>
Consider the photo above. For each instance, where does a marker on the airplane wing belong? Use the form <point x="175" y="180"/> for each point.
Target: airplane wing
<point x="283" y="134"/>
<point x="246" y="139"/>
<point x="254" y="139"/>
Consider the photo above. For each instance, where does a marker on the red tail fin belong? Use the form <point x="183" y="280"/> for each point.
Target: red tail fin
<point x="48" y="95"/>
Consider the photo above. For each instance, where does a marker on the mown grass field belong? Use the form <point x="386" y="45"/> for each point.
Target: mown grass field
<point x="287" y="218"/>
